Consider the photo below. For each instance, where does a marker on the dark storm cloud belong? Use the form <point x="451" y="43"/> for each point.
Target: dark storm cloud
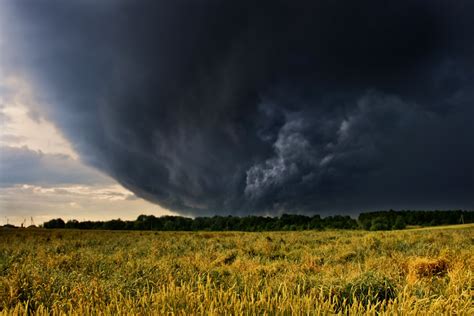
<point x="258" y="107"/>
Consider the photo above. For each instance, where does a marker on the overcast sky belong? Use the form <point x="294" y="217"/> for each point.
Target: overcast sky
<point x="116" y="108"/>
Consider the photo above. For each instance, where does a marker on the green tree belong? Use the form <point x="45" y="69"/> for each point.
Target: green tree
<point x="399" y="223"/>
<point x="380" y="223"/>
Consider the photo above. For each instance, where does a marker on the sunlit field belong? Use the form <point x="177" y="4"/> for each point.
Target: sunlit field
<point x="88" y="272"/>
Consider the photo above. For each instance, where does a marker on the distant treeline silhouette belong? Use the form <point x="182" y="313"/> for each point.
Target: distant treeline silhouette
<point x="383" y="220"/>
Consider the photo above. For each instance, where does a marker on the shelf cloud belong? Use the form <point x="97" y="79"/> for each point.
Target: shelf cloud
<point x="244" y="107"/>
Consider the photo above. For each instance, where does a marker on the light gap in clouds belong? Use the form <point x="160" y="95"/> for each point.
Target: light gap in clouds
<point x="26" y="132"/>
<point x="23" y="124"/>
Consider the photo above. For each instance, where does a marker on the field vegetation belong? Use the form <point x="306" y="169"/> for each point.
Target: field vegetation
<point x="417" y="272"/>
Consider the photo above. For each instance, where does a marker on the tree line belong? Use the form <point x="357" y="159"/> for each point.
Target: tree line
<point x="383" y="220"/>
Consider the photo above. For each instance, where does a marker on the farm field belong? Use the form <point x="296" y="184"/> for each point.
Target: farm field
<point x="428" y="271"/>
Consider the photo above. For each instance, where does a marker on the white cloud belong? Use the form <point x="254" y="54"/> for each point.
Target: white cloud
<point x="22" y="123"/>
<point x="71" y="202"/>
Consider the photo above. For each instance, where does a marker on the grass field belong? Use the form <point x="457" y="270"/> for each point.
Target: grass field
<point x="94" y="272"/>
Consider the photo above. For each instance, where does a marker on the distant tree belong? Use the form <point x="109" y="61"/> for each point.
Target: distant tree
<point x="316" y="223"/>
<point x="383" y="220"/>
<point x="399" y="223"/>
<point x="340" y="222"/>
<point x="115" y="224"/>
<point x="380" y="223"/>
<point x="365" y="221"/>
<point x="73" y="223"/>
<point x="55" y="223"/>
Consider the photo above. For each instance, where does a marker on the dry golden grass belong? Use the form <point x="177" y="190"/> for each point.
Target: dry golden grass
<point x="427" y="268"/>
<point x="220" y="273"/>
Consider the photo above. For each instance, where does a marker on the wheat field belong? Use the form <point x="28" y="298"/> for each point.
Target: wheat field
<point x="225" y="273"/>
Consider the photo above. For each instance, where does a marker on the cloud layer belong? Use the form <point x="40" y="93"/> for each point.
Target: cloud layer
<point x="237" y="107"/>
<point x="25" y="166"/>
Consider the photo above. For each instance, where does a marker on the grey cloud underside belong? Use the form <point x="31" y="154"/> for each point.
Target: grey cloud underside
<point x="20" y="166"/>
<point x="210" y="107"/>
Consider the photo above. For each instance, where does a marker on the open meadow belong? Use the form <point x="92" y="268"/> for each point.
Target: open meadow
<point x="427" y="271"/>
